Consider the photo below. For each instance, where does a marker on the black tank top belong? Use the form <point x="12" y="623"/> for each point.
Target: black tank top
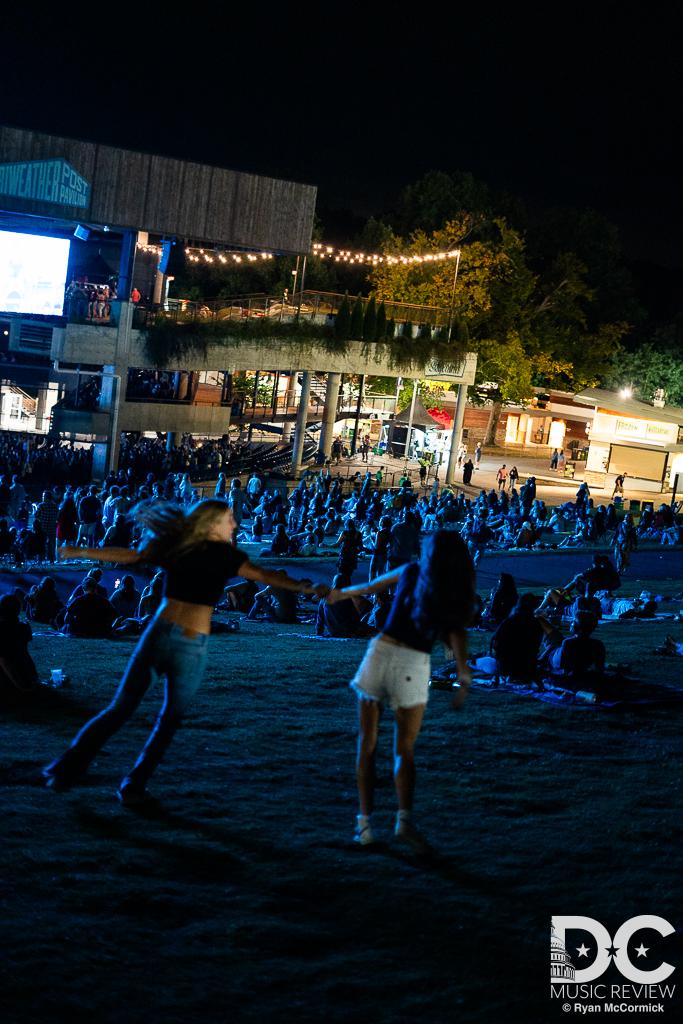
<point x="399" y="625"/>
<point x="200" y="574"/>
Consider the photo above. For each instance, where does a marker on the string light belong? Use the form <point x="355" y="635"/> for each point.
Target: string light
<point x="346" y="256"/>
<point x="197" y="255"/>
<point x="323" y="252"/>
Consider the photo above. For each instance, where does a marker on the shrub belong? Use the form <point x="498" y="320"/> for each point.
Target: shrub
<point x="356" y="332"/>
<point x="342" y="323"/>
<point x="370" y="321"/>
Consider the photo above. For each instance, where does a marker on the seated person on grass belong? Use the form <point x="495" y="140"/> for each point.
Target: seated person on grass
<point x="588" y="603"/>
<point x="343" y="619"/>
<point x="579" y="654"/>
<point x="239" y="597"/>
<point x="126" y="598"/>
<point x="94" y="574"/>
<point x="42" y="603"/>
<point x="514" y="646"/>
<point x="275" y="604"/>
<point x="17" y="670"/>
<point x="89" y="616"/>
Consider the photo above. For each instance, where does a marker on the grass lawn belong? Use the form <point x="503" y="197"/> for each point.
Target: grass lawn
<point x="241" y="897"/>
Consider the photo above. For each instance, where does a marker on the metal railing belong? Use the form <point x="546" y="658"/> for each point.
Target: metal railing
<point x="312" y="305"/>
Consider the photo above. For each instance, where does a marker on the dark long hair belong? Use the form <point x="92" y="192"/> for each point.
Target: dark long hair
<point x="170" y="531"/>
<point x="444" y="592"/>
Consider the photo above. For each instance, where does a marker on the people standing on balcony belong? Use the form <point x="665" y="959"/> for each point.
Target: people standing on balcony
<point x="135" y="295"/>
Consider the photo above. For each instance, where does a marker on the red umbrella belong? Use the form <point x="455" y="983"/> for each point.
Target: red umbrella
<point x="442" y="417"/>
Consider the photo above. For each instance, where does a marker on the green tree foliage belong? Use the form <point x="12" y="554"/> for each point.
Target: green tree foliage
<point x="356" y="332"/>
<point x="594" y="241"/>
<point x="408" y="329"/>
<point x="342" y="323"/>
<point x="462" y="335"/>
<point x="426" y="331"/>
<point x="381" y="322"/>
<point x="528" y="329"/>
<point x="370" y="321"/>
<point x="391" y="327"/>
<point x="438" y="198"/>
<point x="647" y="370"/>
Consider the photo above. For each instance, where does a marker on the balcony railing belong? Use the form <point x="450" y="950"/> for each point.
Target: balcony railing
<point x="313" y="305"/>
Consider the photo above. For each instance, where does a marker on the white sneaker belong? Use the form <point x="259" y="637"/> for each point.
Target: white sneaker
<point x="363" y="834"/>
<point x="407" y="834"/>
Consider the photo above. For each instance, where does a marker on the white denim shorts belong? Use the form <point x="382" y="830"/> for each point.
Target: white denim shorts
<point x="395" y="675"/>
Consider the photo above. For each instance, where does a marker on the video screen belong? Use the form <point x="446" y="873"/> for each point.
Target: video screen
<point x="32" y="273"/>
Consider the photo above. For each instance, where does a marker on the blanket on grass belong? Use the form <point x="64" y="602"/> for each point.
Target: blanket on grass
<point x="623" y="694"/>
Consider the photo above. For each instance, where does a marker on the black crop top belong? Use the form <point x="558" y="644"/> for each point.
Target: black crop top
<point x="399" y="625"/>
<point x="200" y="574"/>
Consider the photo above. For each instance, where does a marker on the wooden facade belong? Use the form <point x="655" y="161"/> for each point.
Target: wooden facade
<point x="157" y="194"/>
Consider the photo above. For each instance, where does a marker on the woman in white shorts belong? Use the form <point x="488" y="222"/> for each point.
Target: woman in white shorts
<point x="433" y="600"/>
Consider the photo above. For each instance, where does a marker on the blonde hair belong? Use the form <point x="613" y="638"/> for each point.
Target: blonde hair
<point x="170" y="530"/>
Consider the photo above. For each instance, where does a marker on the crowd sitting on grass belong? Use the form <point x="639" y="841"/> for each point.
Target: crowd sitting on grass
<point x="323" y="515"/>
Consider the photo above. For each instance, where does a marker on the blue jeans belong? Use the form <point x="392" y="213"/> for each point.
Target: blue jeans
<point x="162" y="651"/>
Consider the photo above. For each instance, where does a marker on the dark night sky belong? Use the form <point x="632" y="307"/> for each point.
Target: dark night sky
<point x="564" y="103"/>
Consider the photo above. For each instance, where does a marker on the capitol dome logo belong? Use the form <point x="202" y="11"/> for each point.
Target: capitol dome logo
<point x="561" y="967"/>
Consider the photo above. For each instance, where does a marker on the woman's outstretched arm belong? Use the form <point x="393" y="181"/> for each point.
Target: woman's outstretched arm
<point x="380" y="583"/>
<point x="100" y="554"/>
<point x="272" y="578"/>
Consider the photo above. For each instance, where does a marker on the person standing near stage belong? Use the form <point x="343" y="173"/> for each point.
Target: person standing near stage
<point x="501" y="477"/>
<point x="196" y="550"/>
<point x="477" y="455"/>
<point x="619" y="484"/>
<point x="434" y="600"/>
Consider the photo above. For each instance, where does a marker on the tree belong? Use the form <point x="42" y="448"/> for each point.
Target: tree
<point x="381" y="322"/>
<point x="528" y="329"/>
<point x="426" y="331"/>
<point x="370" y="321"/>
<point x="342" y="323"/>
<point x="391" y="327"/>
<point x="356" y="332"/>
<point x="646" y="371"/>
<point x="408" y="329"/>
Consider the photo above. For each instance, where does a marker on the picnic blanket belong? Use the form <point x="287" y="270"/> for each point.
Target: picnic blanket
<point x="336" y="639"/>
<point x="625" y="693"/>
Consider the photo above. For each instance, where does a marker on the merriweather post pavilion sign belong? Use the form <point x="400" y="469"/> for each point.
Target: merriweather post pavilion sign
<point x="52" y="181"/>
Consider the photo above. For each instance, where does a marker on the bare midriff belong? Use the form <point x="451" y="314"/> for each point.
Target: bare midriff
<point x="194" y="618"/>
<point x="396" y="643"/>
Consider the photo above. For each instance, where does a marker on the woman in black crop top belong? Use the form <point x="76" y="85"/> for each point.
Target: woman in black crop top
<point x="433" y="600"/>
<point x="196" y="550"/>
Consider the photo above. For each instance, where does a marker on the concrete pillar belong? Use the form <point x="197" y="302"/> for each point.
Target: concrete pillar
<point x="109" y="402"/>
<point x="457" y="433"/>
<point x="290" y="399"/>
<point x="329" y="413"/>
<point x="41" y="405"/>
<point x="158" y="297"/>
<point x="128" y="249"/>
<point x="301" y="418"/>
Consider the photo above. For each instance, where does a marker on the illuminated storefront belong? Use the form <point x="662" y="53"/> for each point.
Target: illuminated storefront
<point x="632" y="437"/>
